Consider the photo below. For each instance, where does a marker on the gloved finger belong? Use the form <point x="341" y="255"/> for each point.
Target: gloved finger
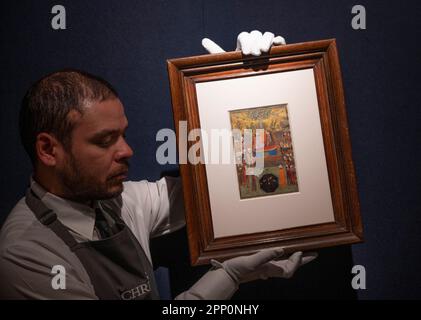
<point x="284" y="268"/>
<point x="256" y="37"/>
<point x="240" y="39"/>
<point x="216" y="263"/>
<point x="264" y="256"/>
<point x="308" y="257"/>
<point x="294" y="262"/>
<point x="244" y="42"/>
<point x="266" y="41"/>
<point x="279" y="40"/>
<point x="211" y="46"/>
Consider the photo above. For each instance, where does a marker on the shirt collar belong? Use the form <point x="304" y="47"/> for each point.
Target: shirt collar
<point x="78" y="217"/>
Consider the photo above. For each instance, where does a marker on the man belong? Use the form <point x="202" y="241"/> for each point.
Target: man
<point x="79" y="217"/>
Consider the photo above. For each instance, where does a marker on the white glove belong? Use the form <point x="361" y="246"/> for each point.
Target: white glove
<point x="264" y="264"/>
<point x="249" y="43"/>
<point x="222" y="282"/>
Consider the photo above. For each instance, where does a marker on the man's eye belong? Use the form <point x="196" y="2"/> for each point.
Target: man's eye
<point x="108" y="141"/>
<point x="105" y="142"/>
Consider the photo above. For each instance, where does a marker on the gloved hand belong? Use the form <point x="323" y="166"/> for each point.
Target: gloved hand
<point x="264" y="264"/>
<point x="222" y="282"/>
<point x="254" y="43"/>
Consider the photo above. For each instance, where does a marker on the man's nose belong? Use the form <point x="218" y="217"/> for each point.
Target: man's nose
<point x="124" y="150"/>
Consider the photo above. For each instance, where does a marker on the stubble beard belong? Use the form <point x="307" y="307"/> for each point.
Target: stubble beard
<point x="81" y="187"/>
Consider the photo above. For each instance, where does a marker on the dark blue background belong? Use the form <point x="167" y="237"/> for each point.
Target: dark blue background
<point x="128" y="42"/>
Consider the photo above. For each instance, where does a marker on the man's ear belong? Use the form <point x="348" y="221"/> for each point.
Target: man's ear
<point x="48" y="149"/>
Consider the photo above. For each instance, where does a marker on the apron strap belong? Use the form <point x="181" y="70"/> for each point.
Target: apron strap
<point x="105" y="286"/>
<point x="48" y="218"/>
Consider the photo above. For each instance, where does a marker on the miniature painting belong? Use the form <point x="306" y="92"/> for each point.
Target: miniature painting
<point x="273" y="145"/>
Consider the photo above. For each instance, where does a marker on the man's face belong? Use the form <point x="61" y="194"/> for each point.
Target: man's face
<point x="96" y="164"/>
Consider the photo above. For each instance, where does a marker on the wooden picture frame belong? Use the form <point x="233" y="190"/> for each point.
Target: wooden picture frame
<point x="325" y="210"/>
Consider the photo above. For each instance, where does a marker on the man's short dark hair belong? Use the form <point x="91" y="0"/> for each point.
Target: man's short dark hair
<point x="47" y="103"/>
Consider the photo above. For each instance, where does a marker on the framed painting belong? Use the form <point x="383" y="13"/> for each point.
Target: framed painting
<point x="283" y="174"/>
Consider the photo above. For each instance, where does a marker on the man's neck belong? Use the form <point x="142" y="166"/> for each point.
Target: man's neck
<point x="51" y="184"/>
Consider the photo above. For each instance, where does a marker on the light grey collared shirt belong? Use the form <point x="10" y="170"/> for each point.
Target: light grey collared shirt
<point x="29" y="250"/>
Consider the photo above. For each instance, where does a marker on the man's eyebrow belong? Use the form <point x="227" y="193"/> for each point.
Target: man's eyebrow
<point x="106" y="132"/>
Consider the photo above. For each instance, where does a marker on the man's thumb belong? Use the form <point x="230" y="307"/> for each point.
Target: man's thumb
<point x="211" y="46"/>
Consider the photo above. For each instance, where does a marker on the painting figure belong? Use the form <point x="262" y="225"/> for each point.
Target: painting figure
<point x="282" y="177"/>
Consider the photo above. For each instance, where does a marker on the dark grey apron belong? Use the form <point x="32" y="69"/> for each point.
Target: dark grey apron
<point x="117" y="266"/>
